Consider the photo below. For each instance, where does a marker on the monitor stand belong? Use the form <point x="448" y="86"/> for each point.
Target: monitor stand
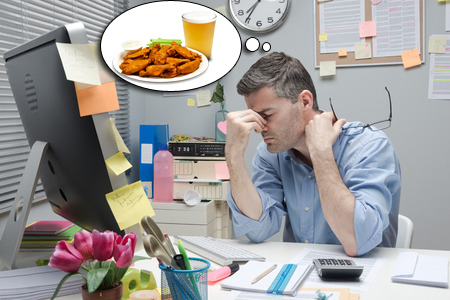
<point x="13" y="232"/>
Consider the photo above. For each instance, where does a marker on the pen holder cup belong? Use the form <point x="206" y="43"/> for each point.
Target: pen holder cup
<point x="185" y="284"/>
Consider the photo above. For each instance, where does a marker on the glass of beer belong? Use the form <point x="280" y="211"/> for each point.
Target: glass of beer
<point x="199" y="31"/>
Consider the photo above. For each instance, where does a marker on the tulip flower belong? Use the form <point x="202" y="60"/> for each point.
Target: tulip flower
<point x="83" y="243"/>
<point x="103" y="244"/>
<point x="124" y="249"/>
<point x="66" y="258"/>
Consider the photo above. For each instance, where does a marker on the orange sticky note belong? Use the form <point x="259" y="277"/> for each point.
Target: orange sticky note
<point x="222" y="172"/>
<point x="411" y="58"/>
<point x="342" y="52"/>
<point x="367" y="28"/>
<point x="97" y="99"/>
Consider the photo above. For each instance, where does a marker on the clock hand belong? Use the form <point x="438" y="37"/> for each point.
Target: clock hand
<point x="251" y="9"/>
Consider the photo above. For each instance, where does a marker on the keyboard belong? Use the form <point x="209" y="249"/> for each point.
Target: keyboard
<point x="216" y="250"/>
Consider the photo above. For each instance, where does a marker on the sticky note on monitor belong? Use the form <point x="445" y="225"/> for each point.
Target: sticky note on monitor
<point x="411" y="58"/>
<point x="118" y="163"/>
<point x="129" y="204"/>
<point x="97" y="99"/>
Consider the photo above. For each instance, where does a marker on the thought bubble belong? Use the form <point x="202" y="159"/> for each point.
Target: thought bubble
<point x="252" y="44"/>
<point x="163" y="20"/>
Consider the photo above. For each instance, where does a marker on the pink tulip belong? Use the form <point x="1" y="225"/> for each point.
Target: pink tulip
<point x="124" y="249"/>
<point x="103" y="244"/>
<point x="66" y="258"/>
<point x="83" y="243"/>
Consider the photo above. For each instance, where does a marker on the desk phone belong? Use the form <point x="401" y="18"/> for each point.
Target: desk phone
<point x="337" y="268"/>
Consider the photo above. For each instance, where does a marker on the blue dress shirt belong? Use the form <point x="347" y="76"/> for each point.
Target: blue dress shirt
<point x="368" y="166"/>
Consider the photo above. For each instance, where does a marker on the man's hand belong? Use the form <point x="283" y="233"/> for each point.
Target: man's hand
<point x="322" y="131"/>
<point x="239" y="126"/>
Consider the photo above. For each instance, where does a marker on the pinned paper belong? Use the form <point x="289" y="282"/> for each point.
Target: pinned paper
<point x="97" y="99"/>
<point x="342" y="52"/>
<point x="190" y="102"/>
<point x="82" y="63"/>
<point x="367" y="29"/>
<point x="118" y="163"/>
<point x="411" y="58"/>
<point x="203" y="98"/>
<point x="119" y="141"/>
<point x="327" y="68"/>
<point x="323" y="37"/>
<point x="129" y="204"/>
<point x="222" y="171"/>
<point x="222" y="126"/>
<point x="437" y="44"/>
<point x="363" y="50"/>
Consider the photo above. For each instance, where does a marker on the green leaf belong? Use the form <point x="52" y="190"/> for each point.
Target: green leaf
<point x="218" y="95"/>
<point x="95" y="278"/>
<point x="64" y="279"/>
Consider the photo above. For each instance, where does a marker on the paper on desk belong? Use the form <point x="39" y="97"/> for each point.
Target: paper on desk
<point x="421" y="269"/>
<point x="371" y="268"/>
<point x="301" y="295"/>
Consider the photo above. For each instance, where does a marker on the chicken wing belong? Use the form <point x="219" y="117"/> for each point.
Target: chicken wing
<point x="140" y="53"/>
<point x="161" y="55"/>
<point x="170" y="73"/>
<point x="156" y="70"/>
<point x="189" y="67"/>
<point x="176" y="61"/>
<point x="135" y="66"/>
<point x="183" y="51"/>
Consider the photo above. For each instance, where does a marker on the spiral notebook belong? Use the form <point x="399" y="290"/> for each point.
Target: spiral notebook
<point x="284" y="279"/>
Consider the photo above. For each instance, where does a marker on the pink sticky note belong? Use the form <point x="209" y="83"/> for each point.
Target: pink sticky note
<point x="222" y="172"/>
<point x="367" y="28"/>
<point x="222" y="126"/>
<point x="375" y="2"/>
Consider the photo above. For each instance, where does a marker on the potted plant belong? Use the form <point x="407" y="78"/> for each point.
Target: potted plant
<point x="221" y="115"/>
<point x="104" y="257"/>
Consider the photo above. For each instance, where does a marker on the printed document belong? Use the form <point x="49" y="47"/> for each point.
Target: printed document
<point x="439" y="80"/>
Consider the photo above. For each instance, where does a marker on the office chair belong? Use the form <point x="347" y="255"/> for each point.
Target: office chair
<point x="405" y="232"/>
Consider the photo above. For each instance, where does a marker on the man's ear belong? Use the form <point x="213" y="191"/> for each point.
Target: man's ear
<point x="305" y="98"/>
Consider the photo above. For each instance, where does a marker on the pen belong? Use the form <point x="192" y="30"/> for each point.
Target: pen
<point x="263" y="274"/>
<point x="187" y="264"/>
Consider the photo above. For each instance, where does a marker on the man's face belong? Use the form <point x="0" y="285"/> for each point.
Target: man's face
<point x="285" y="121"/>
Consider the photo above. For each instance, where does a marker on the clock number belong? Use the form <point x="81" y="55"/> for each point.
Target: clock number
<point x="270" y="20"/>
<point x="281" y="1"/>
<point x="259" y="23"/>
<point x="278" y="11"/>
<point x="240" y="12"/>
<point x="239" y="1"/>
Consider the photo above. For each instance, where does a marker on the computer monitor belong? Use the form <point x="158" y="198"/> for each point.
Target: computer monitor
<point x="73" y="172"/>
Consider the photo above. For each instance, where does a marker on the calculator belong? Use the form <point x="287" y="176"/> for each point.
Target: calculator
<point x="341" y="269"/>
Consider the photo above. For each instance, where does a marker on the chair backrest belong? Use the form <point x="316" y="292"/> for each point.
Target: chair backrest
<point x="405" y="232"/>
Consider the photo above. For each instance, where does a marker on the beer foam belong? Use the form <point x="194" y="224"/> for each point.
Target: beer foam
<point x="199" y="17"/>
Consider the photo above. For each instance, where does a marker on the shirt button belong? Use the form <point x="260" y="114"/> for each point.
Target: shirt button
<point x="309" y="176"/>
<point x="306" y="241"/>
<point x="307" y="208"/>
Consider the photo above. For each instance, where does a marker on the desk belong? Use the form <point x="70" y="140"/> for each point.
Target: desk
<point x="382" y="287"/>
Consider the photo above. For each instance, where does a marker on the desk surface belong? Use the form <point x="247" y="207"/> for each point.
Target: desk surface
<point x="382" y="287"/>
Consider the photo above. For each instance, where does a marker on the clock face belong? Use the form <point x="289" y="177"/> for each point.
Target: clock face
<point x="259" y="15"/>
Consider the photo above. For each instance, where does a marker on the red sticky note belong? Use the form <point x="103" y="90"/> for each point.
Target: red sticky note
<point x="411" y="58"/>
<point x="97" y="99"/>
<point x="367" y="29"/>
<point x="222" y="172"/>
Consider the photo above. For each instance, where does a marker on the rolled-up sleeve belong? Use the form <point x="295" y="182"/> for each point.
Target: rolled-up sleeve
<point x="268" y="184"/>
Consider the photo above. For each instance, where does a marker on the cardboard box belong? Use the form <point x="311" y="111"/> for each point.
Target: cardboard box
<point x="201" y="169"/>
<point x="207" y="190"/>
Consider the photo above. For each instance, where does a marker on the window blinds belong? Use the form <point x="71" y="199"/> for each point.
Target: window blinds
<point x="20" y="21"/>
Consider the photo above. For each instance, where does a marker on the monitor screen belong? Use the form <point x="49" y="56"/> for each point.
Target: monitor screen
<point x="74" y="174"/>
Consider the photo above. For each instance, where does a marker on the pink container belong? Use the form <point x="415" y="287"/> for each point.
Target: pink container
<point x="163" y="175"/>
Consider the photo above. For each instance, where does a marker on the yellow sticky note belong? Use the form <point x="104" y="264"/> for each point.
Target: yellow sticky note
<point x="367" y="28"/>
<point x="437" y="44"/>
<point x="342" y="52"/>
<point x="118" y="163"/>
<point x="363" y="50"/>
<point x="97" y="99"/>
<point x="129" y="204"/>
<point x="203" y="98"/>
<point x="327" y="68"/>
<point x="323" y="37"/>
<point x="119" y="141"/>
<point x="411" y="58"/>
<point x="191" y="102"/>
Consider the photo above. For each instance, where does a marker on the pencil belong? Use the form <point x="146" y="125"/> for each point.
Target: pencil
<point x="263" y="274"/>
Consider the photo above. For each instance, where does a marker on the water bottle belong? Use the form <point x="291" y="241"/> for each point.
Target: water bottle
<point x="163" y="175"/>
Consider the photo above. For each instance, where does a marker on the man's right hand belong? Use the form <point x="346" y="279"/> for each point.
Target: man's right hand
<point x="239" y="125"/>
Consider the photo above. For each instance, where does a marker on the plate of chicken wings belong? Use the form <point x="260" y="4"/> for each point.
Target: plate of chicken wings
<point x="161" y="63"/>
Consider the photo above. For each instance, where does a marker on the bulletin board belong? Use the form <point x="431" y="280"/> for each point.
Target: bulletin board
<point x="349" y="60"/>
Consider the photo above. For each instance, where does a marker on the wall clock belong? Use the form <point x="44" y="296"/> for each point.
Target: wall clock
<point x="259" y="16"/>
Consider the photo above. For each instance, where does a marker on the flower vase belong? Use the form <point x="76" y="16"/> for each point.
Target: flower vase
<point x="110" y="294"/>
<point x="221" y="116"/>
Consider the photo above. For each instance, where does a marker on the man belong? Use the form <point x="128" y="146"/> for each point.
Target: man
<point x="335" y="184"/>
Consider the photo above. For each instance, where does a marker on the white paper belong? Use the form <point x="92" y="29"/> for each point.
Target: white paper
<point x="301" y="295"/>
<point x="426" y="269"/>
<point x="398" y="27"/>
<point x="146" y="153"/>
<point x="340" y="21"/>
<point x="439" y="78"/>
<point x="447" y="16"/>
<point x="371" y="268"/>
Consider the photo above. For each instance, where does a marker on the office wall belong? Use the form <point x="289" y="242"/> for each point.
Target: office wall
<point x="419" y="129"/>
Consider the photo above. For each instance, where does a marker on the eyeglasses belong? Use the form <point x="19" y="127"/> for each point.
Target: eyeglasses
<point x="376" y="126"/>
